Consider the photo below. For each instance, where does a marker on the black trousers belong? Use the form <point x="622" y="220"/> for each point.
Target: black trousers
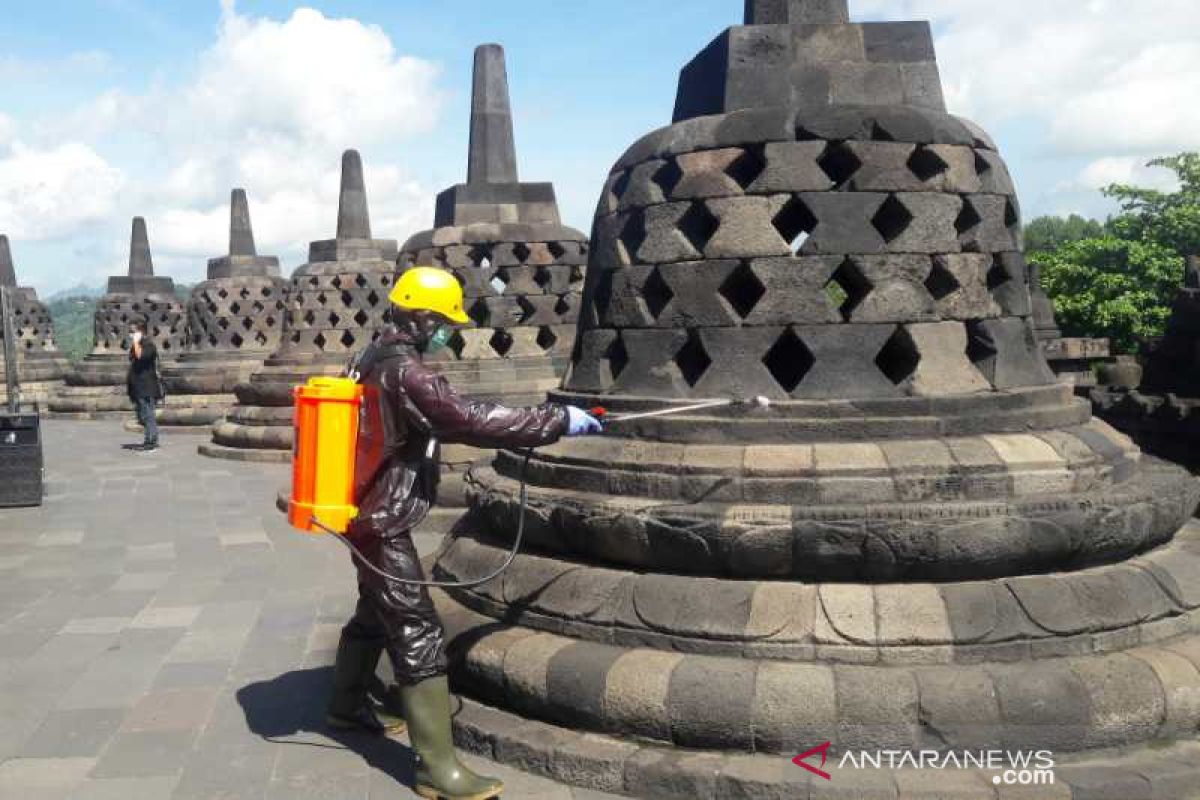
<point x="399" y="617"/>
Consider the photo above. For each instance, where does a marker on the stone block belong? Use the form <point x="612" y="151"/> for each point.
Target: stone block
<point x="636" y="690"/>
<point x="794" y="706"/>
<point x="575" y="682"/>
<point x="1006" y="352"/>
<point x="1125" y="699"/>
<point x="911" y="614"/>
<point x="877" y="707"/>
<point x="1041" y="705"/>
<point x="705" y="174"/>
<point x="702" y="718"/>
<point x="672" y="775"/>
<point x="1180" y="682"/>
<point x="843" y="222"/>
<point x="791" y="167"/>
<point x="743" y="229"/>
<point x="866" y="84"/>
<point x="846" y="613"/>
<point x="931" y="228"/>
<point x="594" y="761"/>
<point x="943" y="367"/>
<point x="792" y="290"/>
<point x="886" y="289"/>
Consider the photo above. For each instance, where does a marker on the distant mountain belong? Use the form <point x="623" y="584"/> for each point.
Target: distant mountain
<point x="72" y="314"/>
<point x="76" y="291"/>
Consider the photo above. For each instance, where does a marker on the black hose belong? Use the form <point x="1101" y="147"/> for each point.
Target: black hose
<point x="516" y="547"/>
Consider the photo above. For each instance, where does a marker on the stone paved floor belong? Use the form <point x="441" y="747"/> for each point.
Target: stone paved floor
<point x="164" y="634"/>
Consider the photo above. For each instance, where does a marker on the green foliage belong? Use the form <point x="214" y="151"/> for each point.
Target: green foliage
<point x="1111" y="287"/>
<point x="1119" y="279"/>
<point x="1046" y="234"/>
<point x="1171" y="219"/>
<point x="73" y="325"/>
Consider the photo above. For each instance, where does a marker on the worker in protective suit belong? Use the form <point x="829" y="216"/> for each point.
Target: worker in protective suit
<point x="407" y="409"/>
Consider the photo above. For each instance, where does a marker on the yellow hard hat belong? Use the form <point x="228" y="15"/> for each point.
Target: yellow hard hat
<point x="430" y="289"/>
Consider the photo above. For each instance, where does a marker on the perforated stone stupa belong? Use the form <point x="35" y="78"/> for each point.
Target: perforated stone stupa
<point x="924" y="542"/>
<point x="235" y="319"/>
<point x="96" y="385"/>
<point x="1163" y="413"/>
<point x="40" y="365"/>
<point x="521" y="268"/>
<point x="336" y="305"/>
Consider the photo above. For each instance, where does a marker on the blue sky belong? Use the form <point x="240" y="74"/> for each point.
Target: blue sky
<point x="112" y="108"/>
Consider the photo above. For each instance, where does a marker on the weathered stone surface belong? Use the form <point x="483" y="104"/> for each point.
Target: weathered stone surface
<point x="914" y="542"/>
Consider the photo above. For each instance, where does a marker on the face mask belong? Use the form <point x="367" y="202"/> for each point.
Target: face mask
<point x="440" y="338"/>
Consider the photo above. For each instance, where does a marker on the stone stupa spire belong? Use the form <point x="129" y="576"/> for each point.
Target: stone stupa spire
<point x="8" y="275"/>
<point x="241" y="234"/>
<point x="803" y="12"/>
<point x="354" y="222"/>
<point x="140" y="263"/>
<point x="492" y="157"/>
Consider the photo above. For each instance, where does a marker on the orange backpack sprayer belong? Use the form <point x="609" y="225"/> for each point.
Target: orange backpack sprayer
<point x="323" y="464"/>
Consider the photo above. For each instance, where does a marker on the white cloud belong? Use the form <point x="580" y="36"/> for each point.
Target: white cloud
<point x="1106" y="77"/>
<point x="269" y="106"/>
<point x="8" y="130"/>
<point x="1124" y="169"/>
<point x="49" y="193"/>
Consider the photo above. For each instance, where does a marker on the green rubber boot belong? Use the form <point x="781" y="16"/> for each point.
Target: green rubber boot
<point x="349" y="706"/>
<point x="440" y="775"/>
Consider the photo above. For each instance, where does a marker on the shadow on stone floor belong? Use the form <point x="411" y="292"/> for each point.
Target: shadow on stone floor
<point x="293" y="705"/>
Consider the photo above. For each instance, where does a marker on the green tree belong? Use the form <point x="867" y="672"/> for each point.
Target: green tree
<point x="1046" y="234"/>
<point x="1171" y="219"/>
<point x="1113" y="287"/>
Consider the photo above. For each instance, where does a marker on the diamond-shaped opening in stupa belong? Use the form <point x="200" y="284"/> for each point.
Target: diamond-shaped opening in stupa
<point x="847" y="288"/>
<point x="692" y="359"/>
<point x="698" y="225"/>
<point x="795" y="222"/>
<point x="968" y="218"/>
<point x="501" y="342"/>
<point x="788" y="361"/>
<point x="633" y="235"/>
<point x="941" y="282"/>
<point x="667" y="177"/>
<point x="746" y="168"/>
<point x="898" y="358"/>
<point x="656" y="293"/>
<point x="926" y="164"/>
<point x="839" y="162"/>
<point x="892" y="219"/>
<point x="742" y="290"/>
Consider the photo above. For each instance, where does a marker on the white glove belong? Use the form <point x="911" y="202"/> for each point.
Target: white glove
<point x="581" y="423"/>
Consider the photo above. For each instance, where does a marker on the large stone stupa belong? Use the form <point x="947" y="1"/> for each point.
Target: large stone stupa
<point x="40" y="365"/>
<point x="1163" y="413"/>
<point x="336" y="305"/>
<point x="925" y="542"/>
<point x="96" y="385"/>
<point x="521" y="268"/>
<point x="235" y="318"/>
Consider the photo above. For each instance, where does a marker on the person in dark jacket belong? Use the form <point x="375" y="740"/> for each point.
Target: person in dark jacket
<point x="143" y="386"/>
<point x="407" y="410"/>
